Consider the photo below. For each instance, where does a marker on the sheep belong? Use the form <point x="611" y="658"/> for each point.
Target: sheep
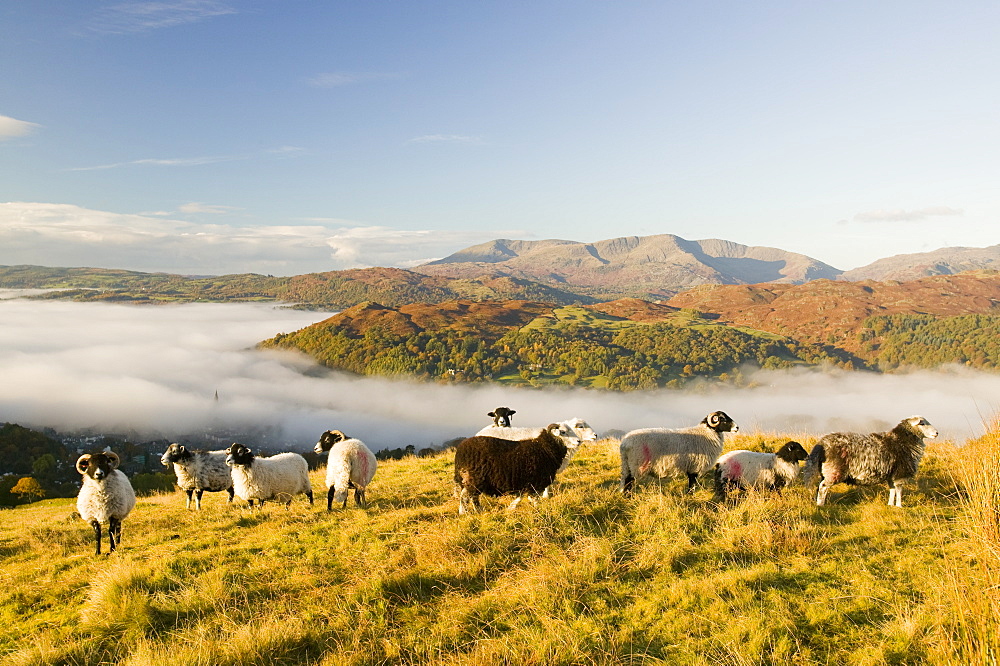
<point x="350" y="464"/>
<point x="105" y="497"/>
<point x="280" y="476"/>
<point x="865" y="459"/>
<point x="198" y="471"/>
<point x="749" y="469"/>
<point x="501" y="416"/>
<point x="582" y="432"/>
<point x="668" y="452"/>
<point x="495" y="467"/>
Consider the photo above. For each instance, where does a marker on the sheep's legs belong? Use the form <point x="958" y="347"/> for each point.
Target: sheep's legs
<point x="97" y="533"/>
<point x="824" y="488"/>
<point x="232" y="493"/>
<point x="114" y="533"/>
<point x="463" y="497"/>
<point x="329" y="498"/>
<point x="692" y="482"/>
<point x="627" y="483"/>
<point x="896" y="495"/>
<point x="189" y="493"/>
<point x="309" y="494"/>
<point x="197" y="502"/>
<point x="359" y="498"/>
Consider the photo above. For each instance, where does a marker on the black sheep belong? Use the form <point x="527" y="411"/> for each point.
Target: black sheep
<point x="492" y="466"/>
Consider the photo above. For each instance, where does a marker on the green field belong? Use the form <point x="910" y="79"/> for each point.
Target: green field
<point x="587" y="577"/>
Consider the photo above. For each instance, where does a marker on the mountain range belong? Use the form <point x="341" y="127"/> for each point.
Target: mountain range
<point x="660" y="266"/>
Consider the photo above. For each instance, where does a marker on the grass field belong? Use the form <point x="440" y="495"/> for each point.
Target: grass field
<point x="588" y="577"/>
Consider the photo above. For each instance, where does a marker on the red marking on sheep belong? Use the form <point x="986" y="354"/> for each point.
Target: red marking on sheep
<point x="647" y="459"/>
<point x="364" y="466"/>
<point x="735" y="469"/>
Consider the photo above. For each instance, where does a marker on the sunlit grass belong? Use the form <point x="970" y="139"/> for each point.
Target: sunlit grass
<point x="588" y="577"/>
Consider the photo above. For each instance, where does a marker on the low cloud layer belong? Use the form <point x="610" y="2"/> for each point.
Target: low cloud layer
<point x="66" y="235"/>
<point x="155" y="371"/>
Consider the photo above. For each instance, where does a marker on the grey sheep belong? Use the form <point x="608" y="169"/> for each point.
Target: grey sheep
<point x="866" y="459"/>
<point x="198" y="471"/>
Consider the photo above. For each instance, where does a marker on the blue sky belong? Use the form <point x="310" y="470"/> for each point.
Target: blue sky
<point x="210" y="136"/>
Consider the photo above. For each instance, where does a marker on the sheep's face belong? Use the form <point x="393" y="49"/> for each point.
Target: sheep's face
<point x="582" y="430"/>
<point x="922" y="427"/>
<point x="237" y="454"/>
<point x="720" y="422"/>
<point x="792" y="452"/>
<point x="98" y="465"/>
<point x="174" y="453"/>
<point x="328" y="439"/>
<point x="565" y="433"/>
<point x="501" y="416"/>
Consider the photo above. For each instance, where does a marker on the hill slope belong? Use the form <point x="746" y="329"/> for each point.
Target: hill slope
<point x="945" y="261"/>
<point x="587" y="577"/>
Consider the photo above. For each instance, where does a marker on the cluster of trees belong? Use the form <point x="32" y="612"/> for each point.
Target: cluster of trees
<point x="34" y="465"/>
<point x="923" y="341"/>
<point x="619" y="358"/>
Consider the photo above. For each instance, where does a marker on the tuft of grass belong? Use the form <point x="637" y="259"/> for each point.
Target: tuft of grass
<point x="587" y="577"/>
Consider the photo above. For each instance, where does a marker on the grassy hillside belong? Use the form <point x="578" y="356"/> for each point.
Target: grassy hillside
<point x="586" y="578"/>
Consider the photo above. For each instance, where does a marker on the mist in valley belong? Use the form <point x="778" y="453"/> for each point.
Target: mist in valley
<point x="155" y="371"/>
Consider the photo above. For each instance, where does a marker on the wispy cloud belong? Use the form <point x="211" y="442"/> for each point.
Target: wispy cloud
<point x="172" y="162"/>
<point x="134" y="17"/>
<point x="901" y="215"/>
<point x="336" y="79"/>
<point x="65" y="235"/>
<point x="12" y="127"/>
<point x="196" y="207"/>
<point x="446" y="138"/>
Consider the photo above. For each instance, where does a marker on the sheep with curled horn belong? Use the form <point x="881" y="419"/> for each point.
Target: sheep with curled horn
<point x="665" y="452"/>
<point x="106" y="496"/>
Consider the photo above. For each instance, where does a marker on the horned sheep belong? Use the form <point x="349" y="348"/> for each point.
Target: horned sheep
<point x="751" y="469"/>
<point x="279" y="477"/>
<point x="198" y="471"/>
<point x="105" y="497"/>
<point x="864" y="459"/>
<point x="664" y="452"/>
<point x="492" y="466"/>
<point x="350" y="464"/>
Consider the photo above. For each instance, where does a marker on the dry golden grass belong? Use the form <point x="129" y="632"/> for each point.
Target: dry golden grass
<point x="588" y="577"/>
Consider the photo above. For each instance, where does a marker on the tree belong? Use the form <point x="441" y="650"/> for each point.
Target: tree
<point x="28" y="487"/>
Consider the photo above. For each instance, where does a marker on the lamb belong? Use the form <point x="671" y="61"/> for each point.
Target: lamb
<point x="350" y="464"/>
<point x="279" y="477"/>
<point x="198" y="471"/>
<point x="501" y="416"/>
<point x="666" y="452"/>
<point x="495" y="467"/>
<point x="865" y="459"/>
<point x="582" y="432"/>
<point x="105" y="497"/>
<point x="749" y="469"/>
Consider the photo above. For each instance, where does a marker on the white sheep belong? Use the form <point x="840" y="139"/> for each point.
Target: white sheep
<point x="350" y="464"/>
<point x="582" y="432"/>
<point x="105" y="497"/>
<point x="879" y="457"/>
<point x="279" y="477"/>
<point x="665" y="452"/>
<point x="198" y="471"/>
<point x="750" y="469"/>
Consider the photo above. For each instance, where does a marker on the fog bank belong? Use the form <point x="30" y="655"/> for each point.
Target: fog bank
<point x="155" y="370"/>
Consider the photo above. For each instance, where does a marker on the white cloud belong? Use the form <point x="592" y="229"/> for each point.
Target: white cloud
<point x="446" y="138"/>
<point x="12" y="127"/>
<point x="900" y="215"/>
<point x="133" y="17"/>
<point x="155" y="370"/>
<point x="66" y="235"/>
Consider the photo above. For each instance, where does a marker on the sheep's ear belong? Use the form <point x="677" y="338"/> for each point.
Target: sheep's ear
<point x="82" y="463"/>
<point x="493" y="414"/>
<point x="511" y="412"/>
<point x="114" y="460"/>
